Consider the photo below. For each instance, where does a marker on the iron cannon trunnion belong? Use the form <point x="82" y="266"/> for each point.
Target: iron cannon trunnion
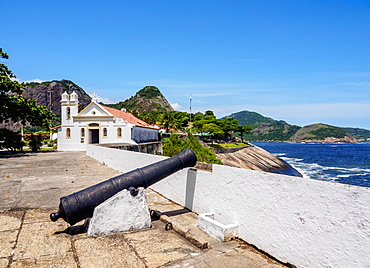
<point x="80" y="205"/>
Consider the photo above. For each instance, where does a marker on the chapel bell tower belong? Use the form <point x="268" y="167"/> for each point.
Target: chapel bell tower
<point x="69" y="105"/>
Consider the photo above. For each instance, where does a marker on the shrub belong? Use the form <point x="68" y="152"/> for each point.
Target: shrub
<point x="9" y="140"/>
<point x="175" y="144"/>
<point x="35" y="142"/>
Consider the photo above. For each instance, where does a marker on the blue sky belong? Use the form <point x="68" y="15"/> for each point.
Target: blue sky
<point x="303" y="62"/>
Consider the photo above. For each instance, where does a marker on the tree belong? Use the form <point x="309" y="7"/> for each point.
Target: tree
<point x="209" y="115"/>
<point x="181" y="120"/>
<point x="243" y="129"/>
<point x="167" y="121"/>
<point x="13" y="106"/>
<point x="212" y="128"/>
<point x="228" y="125"/>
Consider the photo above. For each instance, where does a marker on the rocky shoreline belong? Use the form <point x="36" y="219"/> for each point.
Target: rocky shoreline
<point x="326" y="140"/>
<point x="331" y="140"/>
<point x="255" y="158"/>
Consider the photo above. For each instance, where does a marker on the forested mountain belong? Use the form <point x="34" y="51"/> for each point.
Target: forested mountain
<point x="358" y="133"/>
<point x="319" y="132"/>
<point x="147" y="99"/>
<point x="264" y="128"/>
<point x="252" y="119"/>
<point x="276" y="131"/>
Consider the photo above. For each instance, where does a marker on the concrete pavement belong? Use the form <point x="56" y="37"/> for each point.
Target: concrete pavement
<point x="30" y="187"/>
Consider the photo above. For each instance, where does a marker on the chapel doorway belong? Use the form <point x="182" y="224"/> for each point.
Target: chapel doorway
<point x="94" y="129"/>
<point x="94" y="135"/>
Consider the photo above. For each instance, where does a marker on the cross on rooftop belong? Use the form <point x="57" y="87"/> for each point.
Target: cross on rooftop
<point x="94" y="97"/>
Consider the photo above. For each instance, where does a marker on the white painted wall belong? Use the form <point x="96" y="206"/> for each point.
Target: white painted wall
<point x="308" y="223"/>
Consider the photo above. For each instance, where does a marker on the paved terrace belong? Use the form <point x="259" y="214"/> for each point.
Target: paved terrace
<point x="30" y="187"/>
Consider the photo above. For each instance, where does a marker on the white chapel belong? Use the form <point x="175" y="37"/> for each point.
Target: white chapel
<point x="99" y="124"/>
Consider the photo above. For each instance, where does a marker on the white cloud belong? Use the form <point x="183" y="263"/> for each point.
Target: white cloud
<point x="356" y="84"/>
<point x="211" y="94"/>
<point x="27" y="81"/>
<point x="37" y="80"/>
<point x="176" y="106"/>
<point x="104" y="100"/>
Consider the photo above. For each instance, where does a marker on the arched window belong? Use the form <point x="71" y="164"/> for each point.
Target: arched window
<point x="105" y="132"/>
<point x="119" y="132"/>
<point x="83" y="132"/>
<point x="68" y="112"/>
<point x="68" y="133"/>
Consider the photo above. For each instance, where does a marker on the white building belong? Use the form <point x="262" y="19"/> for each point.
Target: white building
<point x="99" y="124"/>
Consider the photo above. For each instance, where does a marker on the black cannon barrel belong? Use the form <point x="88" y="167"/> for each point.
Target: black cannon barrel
<point x="80" y="205"/>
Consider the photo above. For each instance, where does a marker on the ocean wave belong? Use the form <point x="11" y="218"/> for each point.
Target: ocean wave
<point x="364" y="170"/>
<point x="343" y="163"/>
<point x="316" y="171"/>
<point x="292" y="159"/>
<point x="344" y="176"/>
<point x="298" y="161"/>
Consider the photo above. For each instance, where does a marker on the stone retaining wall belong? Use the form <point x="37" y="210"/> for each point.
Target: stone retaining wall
<point x="147" y="147"/>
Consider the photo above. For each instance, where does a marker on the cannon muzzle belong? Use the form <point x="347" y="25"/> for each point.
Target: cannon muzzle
<point x="80" y="205"/>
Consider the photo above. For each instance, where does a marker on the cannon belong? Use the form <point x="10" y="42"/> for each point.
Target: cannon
<point x="80" y="205"/>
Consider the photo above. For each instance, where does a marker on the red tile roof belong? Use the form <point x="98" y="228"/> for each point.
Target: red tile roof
<point x="128" y="117"/>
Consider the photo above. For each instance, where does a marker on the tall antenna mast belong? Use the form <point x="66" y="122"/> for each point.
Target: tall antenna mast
<point x="190" y="113"/>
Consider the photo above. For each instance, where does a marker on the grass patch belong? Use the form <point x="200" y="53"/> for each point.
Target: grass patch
<point x="228" y="145"/>
<point x="47" y="149"/>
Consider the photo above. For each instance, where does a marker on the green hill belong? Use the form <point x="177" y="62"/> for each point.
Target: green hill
<point x="264" y="128"/>
<point x="252" y="119"/>
<point x="358" y="133"/>
<point x="319" y="132"/>
<point x="275" y="131"/>
<point x="147" y="99"/>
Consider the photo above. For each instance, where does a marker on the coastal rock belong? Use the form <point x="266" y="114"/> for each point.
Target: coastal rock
<point x="346" y="139"/>
<point x="255" y="158"/>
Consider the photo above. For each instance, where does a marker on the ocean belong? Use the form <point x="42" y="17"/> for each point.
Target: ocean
<point x="342" y="163"/>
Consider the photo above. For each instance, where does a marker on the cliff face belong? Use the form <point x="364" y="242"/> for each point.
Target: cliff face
<point x="50" y="93"/>
<point x="256" y="158"/>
